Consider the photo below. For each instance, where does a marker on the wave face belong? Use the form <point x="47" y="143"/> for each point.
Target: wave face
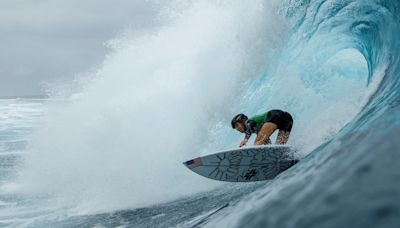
<point x="167" y="96"/>
<point x="353" y="179"/>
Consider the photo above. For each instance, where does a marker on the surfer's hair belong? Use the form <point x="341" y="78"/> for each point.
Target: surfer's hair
<point x="241" y="118"/>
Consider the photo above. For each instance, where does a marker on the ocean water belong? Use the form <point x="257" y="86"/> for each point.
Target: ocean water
<point x="106" y="151"/>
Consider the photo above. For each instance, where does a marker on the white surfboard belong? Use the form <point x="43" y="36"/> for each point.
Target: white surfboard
<point x="244" y="164"/>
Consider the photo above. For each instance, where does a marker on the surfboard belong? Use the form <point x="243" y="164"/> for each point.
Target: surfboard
<point x="244" y="164"/>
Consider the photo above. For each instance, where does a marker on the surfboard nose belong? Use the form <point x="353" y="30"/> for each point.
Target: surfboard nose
<point x="186" y="162"/>
<point x="191" y="164"/>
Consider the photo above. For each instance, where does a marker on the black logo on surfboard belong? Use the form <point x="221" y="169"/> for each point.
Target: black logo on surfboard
<point x="250" y="174"/>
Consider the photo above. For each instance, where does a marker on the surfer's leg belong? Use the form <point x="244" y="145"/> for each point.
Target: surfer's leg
<point x="283" y="137"/>
<point x="284" y="132"/>
<point x="267" y="141"/>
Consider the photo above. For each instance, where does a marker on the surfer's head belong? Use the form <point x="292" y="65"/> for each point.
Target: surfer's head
<point x="238" y="122"/>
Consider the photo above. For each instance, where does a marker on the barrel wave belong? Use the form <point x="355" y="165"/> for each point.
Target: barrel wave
<point x="110" y="153"/>
<point x="351" y="180"/>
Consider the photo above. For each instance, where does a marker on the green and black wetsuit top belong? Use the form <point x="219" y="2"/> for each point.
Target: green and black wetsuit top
<point x="282" y="119"/>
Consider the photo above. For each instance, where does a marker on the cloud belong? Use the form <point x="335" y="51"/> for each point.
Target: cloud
<point x="52" y="40"/>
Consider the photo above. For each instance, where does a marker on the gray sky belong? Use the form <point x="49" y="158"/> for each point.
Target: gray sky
<point x="53" y="40"/>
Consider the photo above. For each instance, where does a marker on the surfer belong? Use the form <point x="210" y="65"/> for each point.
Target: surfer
<point x="264" y="125"/>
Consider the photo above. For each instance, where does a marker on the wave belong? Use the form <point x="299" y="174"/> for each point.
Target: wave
<point x="350" y="180"/>
<point x="168" y="96"/>
<point x="120" y="140"/>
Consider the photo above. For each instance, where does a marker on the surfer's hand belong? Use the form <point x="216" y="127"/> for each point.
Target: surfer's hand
<point x="243" y="143"/>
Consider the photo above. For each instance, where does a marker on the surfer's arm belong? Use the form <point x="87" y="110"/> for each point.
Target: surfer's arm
<point x="243" y="143"/>
<point x="245" y="140"/>
<point x="265" y="132"/>
<point x="247" y="136"/>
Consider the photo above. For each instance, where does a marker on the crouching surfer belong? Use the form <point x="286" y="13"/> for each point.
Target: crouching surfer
<point x="264" y="125"/>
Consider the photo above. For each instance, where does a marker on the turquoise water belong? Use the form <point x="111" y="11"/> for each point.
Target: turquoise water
<point x="110" y="154"/>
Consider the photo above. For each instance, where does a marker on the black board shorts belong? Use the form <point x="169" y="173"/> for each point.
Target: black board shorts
<point x="282" y="119"/>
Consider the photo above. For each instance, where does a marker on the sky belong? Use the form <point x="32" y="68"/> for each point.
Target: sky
<point x="52" y="41"/>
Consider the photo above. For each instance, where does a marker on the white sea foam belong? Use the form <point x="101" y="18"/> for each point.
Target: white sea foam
<point x="120" y="143"/>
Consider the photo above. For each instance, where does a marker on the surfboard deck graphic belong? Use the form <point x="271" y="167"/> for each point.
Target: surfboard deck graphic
<point x="244" y="164"/>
